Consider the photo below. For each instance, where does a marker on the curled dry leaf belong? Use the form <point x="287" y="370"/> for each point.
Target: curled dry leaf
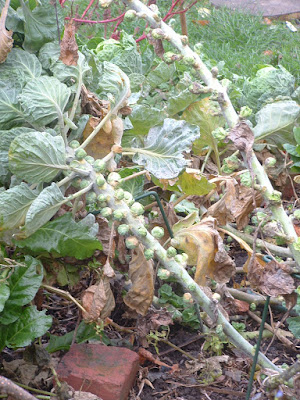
<point x="243" y="138"/>
<point x="269" y="278"/>
<point x="140" y="295"/>
<point x="98" y="301"/>
<point x="6" y="40"/>
<point x="205" y="249"/>
<point x="104" y="236"/>
<point x="92" y="105"/>
<point x="235" y="205"/>
<point x="68" y="45"/>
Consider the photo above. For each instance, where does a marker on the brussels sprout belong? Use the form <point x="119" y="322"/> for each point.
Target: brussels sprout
<point x="142" y="231"/>
<point x="185" y="257"/>
<point x="131" y="242"/>
<point x="187" y="297"/>
<point x="275" y="197"/>
<point x="158" y="33"/>
<point x="270" y="162"/>
<point x="214" y="71"/>
<point x="254" y="220"/>
<point x="219" y="133"/>
<point x="76" y="183"/>
<point x="128" y="198"/>
<point x="106" y="212"/>
<point x="252" y="307"/>
<point x="184" y="39"/>
<point x="114" y="178"/>
<point x="137" y="208"/>
<point x="91" y="198"/>
<point x="102" y="198"/>
<point x="67" y="172"/>
<point x="148" y="253"/>
<point x="99" y="165"/>
<point x="158" y="232"/>
<point x="163" y="274"/>
<point x="296" y="214"/>
<point x="118" y="215"/>
<point x="178" y="258"/>
<point x="248" y="229"/>
<point x="170" y="57"/>
<point x="119" y="194"/>
<point x="75" y="164"/>
<point x="188" y="60"/>
<point x="74" y="144"/>
<point x="171" y="252"/>
<point x="100" y="180"/>
<point x="123" y="229"/>
<point x="198" y="48"/>
<point x="130" y="15"/>
<point x="245" y="112"/>
<point x="230" y="164"/>
<point x="216" y="296"/>
<point x="246" y="179"/>
<point x="80" y="154"/>
<point x="89" y="159"/>
<point x="102" y="204"/>
<point x="84" y="183"/>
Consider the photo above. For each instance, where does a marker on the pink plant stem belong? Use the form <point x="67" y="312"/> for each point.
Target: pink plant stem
<point x="179" y="12"/>
<point x="106" y="21"/>
<point x="87" y="9"/>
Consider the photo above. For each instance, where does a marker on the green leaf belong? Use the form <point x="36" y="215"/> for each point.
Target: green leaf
<point x="294" y="326"/>
<point x="24" y="282"/>
<point x="62" y="236"/>
<point x="6" y="137"/>
<point x="180" y="102"/>
<point x="186" y="207"/>
<point x="11" y="113"/>
<point x="275" y="121"/>
<point x="4" y="294"/>
<point x="164" y="147"/>
<point x="43" y="208"/>
<point x="84" y="332"/>
<point x="49" y="54"/>
<point x="44" y="99"/>
<point x="79" y="73"/>
<point x="21" y="66"/>
<point x="40" y="24"/>
<point x="29" y="326"/>
<point x="14" y="21"/>
<point x="296" y="131"/>
<point x="37" y="156"/>
<point x="10" y="315"/>
<point x="161" y="74"/>
<point x="194" y="184"/>
<point x="206" y="114"/>
<point x="144" y="117"/>
<point x="14" y="204"/>
<point x="135" y="186"/>
<point x="291" y="149"/>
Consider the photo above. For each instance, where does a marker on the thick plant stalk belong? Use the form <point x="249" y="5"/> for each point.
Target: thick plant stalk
<point x="182" y="276"/>
<point x="228" y="111"/>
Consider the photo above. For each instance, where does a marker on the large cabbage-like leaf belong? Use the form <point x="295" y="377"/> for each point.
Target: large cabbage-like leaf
<point x="44" y="99"/>
<point x="37" y="156"/>
<point x="63" y="236"/>
<point x="31" y="324"/>
<point x="79" y="72"/>
<point x="164" y="147"/>
<point x="43" y="208"/>
<point x="49" y="54"/>
<point x="40" y="24"/>
<point x="161" y="74"/>
<point x="275" y="122"/>
<point x="14" y="204"/>
<point x="180" y="101"/>
<point x="11" y="113"/>
<point x="20" y="65"/>
<point x="6" y="137"/>
<point x="144" y="117"/>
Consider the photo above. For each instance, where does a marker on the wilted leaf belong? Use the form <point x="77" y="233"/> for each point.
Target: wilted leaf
<point x="102" y="143"/>
<point x="235" y="205"/>
<point x="68" y="45"/>
<point x="269" y="277"/>
<point x="164" y="147"/>
<point x="186" y="222"/>
<point x="194" y="184"/>
<point x="6" y="40"/>
<point x="104" y="236"/>
<point x="37" y="156"/>
<point x="140" y="295"/>
<point x="98" y="300"/>
<point x="207" y="115"/>
<point x="62" y="236"/>
<point x="92" y="105"/>
<point x="205" y="249"/>
<point x="135" y="185"/>
<point x="243" y="138"/>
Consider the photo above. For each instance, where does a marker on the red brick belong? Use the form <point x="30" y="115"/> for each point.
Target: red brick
<point x="108" y="372"/>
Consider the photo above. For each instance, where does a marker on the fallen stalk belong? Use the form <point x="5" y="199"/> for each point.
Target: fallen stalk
<point x="270" y="195"/>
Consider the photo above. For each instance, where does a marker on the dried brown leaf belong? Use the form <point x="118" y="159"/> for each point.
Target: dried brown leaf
<point x="98" y="301"/>
<point x="68" y="45"/>
<point x="92" y="105"/>
<point x="222" y="209"/>
<point x="269" y="277"/>
<point x="6" y="40"/>
<point x="205" y="249"/>
<point x="243" y="137"/>
<point x="104" y="236"/>
<point x="140" y="295"/>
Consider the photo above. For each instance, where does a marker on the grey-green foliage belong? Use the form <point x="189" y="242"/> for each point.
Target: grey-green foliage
<point x="268" y="83"/>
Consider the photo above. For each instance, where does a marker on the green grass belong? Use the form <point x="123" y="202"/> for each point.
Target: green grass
<point x="240" y="40"/>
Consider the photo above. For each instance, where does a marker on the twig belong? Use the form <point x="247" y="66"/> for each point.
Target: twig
<point x="64" y="294"/>
<point x="273" y="381"/>
<point x="14" y="391"/>
<point x="178" y="349"/>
